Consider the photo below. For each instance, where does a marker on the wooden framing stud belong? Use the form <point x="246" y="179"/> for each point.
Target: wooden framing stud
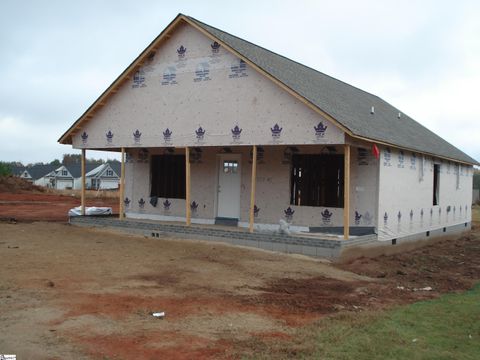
<point x="253" y="188"/>
<point x="122" y="187"/>
<point x="346" y="193"/>
<point x="82" y="196"/>
<point x="188" y="213"/>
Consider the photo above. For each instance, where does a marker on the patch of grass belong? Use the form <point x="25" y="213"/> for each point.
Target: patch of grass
<point x="445" y="328"/>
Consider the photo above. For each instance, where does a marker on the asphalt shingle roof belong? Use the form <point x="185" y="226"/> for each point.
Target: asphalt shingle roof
<point x="38" y="171"/>
<point x="347" y="104"/>
<point x="76" y="169"/>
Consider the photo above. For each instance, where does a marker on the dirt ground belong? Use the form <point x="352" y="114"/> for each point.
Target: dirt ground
<point x="76" y="293"/>
<point x="44" y="206"/>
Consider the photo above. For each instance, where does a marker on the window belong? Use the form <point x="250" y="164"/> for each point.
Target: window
<point x="64" y="173"/>
<point x="167" y="175"/>
<point x="109" y="172"/>
<point x="436" y="184"/>
<point x="230" y="166"/>
<point x="317" y="180"/>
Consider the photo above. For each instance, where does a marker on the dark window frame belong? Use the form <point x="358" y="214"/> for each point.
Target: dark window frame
<point x="317" y="180"/>
<point x="167" y="176"/>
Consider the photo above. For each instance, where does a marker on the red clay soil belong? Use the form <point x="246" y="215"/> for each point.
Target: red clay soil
<point x="195" y="281"/>
<point x="14" y="184"/>
<point x="31" y="206"/>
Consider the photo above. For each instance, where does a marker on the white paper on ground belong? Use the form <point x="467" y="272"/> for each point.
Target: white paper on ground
<point x="93" y="210"/>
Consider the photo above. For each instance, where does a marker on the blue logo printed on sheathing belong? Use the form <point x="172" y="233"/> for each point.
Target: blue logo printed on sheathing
<point x="401" y="160"/>
<point x="202" y="72"/>
<point x="367" y="218"/>
<point x="320" y="130"/>
<point x="357" y="218"/>
<point x="385" y="219"/>
<point x="196" y="155"/>
<point x="136" y="136"/>
<point x="109" y="136"/>
<point x="215" y="47"/>
<point x="181" y="51"/>
<point x="143" y="155"/>
<point x="238" y="69"/>
<point x="167" y="135"/>
<point x="421" y="213"/>
<point x="169" y="76"/>
<point x="236" y="131"/>
<point x="411" y="215"/>
<point x="413" y="161"/>
<point x="256" y="210"/>
<point x="399" y="216"/>
<point x="139" y="79"/>
<point x="141" y="203"/>
<point x="276" y="131"/>
<point x="260" y="155"/>
<point x="289" y="213"/>
<point x="193" y="206"/>
<point x="84" y="137"/>
<point x="166" y="205"/>
<point x="126" y="202"/>
<point x="200" y="133"/>
<point x="362" y="156"/>
<point x="387" y="157"/>
<point x="326" y="216"/>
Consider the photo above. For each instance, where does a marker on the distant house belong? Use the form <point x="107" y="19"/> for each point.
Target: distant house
<point x="21" y="172"/>
<point x="39" y="174"/>
<point x="105" y="176"/>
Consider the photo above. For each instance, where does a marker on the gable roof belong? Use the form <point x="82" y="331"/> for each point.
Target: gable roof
<point x="39" y="171"/>
<point x="100" y="169"/>
<point x="76" y="169"/>
<point x="17" y="170"/>
<point x="116" y="167"/>
<point x="344" y="104"/>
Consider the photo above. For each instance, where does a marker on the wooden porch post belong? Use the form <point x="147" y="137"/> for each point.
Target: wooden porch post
<point x="82" y="196"/>
<point x="187" y="187"/>
<point x="252" y="191"/>
<point x="346" y="194"/>
<point x="122" y="187"/>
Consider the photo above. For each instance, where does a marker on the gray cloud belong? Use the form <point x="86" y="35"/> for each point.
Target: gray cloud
<point x="57" y="57"/>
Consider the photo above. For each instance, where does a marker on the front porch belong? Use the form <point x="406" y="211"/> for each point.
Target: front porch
<point x="305" y="188"/>
<point x="310" y="244"/>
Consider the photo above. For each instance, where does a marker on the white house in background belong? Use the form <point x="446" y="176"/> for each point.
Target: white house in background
<point x="21" y="172"/>
<point x="105" y="176"/>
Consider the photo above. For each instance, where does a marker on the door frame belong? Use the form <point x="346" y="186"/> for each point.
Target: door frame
<point x="218" y="167"/>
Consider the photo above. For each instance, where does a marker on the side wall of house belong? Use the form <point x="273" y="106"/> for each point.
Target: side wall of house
<point x="406" y="194"/>
<point x="272" y="189"/>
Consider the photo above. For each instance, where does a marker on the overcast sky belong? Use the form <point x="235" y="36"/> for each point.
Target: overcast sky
<point x="57" y="57"/>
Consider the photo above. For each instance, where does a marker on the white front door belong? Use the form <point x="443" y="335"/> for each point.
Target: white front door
<point x="229" y="180"/>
